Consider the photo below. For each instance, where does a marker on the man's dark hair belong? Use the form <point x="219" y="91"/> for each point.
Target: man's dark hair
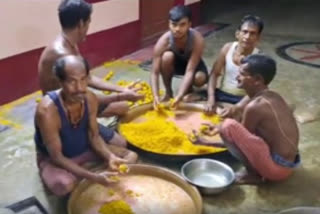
<point x="179" y="12"/>
<point x="260" y="64"/>
<point x="72" y="11"/>
<point x="59" y="68"/>
<point x="255" y="20"/>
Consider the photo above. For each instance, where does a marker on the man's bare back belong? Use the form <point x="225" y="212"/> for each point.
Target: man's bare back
<point x="59" y="47"/>
<point x="276" y="125"/>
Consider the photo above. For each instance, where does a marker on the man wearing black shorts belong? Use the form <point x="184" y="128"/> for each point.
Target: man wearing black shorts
<point x="178" y="51"/>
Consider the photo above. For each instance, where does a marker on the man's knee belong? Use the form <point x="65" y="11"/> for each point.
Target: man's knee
<point x="131" y="157"/>
<point x="229" y="124"/>
<point x="200" y="79"/>
<point x="118" y="140"/>
<point x="167" y="57"/>
<point x="167" y="62"/>
<point x="115" y="109"/>
<point x="227" y="128"/>
<point x="63" y="187"/>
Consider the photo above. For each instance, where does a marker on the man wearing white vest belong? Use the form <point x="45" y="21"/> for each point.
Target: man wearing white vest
<point x="230" y="56"/>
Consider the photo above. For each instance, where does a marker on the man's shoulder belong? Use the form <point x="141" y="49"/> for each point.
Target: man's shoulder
<point x="162" y="44"/>
<point x="196" y="33"/>
<point x="52" y="52"/>
<point x="92" y="99"/>
<point x="46" y="107"/>
<point x="226" y="47"/>
<point x="257" y="105"/>
<point x="164" y="37"/>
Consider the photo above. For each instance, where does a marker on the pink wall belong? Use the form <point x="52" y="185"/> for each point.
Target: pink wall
<point x="108" y="38"/>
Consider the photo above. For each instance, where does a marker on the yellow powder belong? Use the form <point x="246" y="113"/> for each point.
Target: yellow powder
<point x="214" y="119"/>
<point x="145" y="89"/>
<point x="114" y="178"/>
<point x="203" y="129"/>
<point x="123" y="168"/>
<point x="158" y="135"/>
<point x="108" y="76"/>
<point x="116" y="207"/>
<point x="130" y="193"/>
<point x="111" y="192"/>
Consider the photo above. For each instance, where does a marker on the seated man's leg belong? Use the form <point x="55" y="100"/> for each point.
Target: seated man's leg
<point x="201" y="75"/>
<point x="167" y="69"/>
<point x="59" y="181"/>
<point x="124" y="153"/>
<point x="225" y="97"/>
<point x="253" y="152"/>
<point x="113" y="109"/>
<point x="200" y="79"/>
<point x="117" y="144"/>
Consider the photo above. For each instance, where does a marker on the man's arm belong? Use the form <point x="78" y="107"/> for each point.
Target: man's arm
<point x="236" y="110"/>
<point x="191" y="66"/>
<point x="216" y="71"/>
<point x="97" y="143"/>
<point x="98" y="83"/>
<point x="159" y="48"/>
<point x="251" y="117"/>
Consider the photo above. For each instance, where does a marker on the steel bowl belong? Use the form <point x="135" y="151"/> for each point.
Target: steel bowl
<point x="210" y="176"/>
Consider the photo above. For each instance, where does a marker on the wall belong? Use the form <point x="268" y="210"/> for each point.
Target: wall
<point x="29" y="25"/>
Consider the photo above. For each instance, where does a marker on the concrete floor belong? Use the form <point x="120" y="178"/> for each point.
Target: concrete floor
<point x="286" y="22"/>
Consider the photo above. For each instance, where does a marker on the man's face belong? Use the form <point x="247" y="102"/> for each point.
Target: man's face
<point x="179" y="29"/>
<point x="83" y="29"/>
<point x="75" y="85"/>
<point x="245" y="80"/>
<point x="248" y="36"/>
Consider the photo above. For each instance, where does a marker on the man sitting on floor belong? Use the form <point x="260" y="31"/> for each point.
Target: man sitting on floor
<point x="266" y="140"/>
<point x="247" y="35"/>
<point x="68" y="135"/>
<point x="178" y="51"/>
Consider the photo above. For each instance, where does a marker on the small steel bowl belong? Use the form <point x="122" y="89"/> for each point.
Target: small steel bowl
<point x="210" y="176"/>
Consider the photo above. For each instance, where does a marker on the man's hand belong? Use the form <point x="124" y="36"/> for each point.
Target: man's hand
<point x="175" y="102"/>
<point x="209" y="129"/>
<point x="130" y="95"/>
<point x="114" y="162"/>
<point x="209" y="107"/>
<point x="156" y="102"/>
<point x="130" y="92"/>
<point x="105" y="178"/>
<point x="229" y="111"/>
<point x="197" y="140"/>
<point x="132" y="86"/>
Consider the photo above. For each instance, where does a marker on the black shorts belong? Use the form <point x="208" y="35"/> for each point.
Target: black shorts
<point x="225" y="97"/>
<point x="101" y="108"/>
<point x="180" y="66"/>
<point x="106" y="133"/>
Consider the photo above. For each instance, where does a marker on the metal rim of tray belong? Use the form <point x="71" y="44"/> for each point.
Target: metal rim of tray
<point x="149" y="170"/>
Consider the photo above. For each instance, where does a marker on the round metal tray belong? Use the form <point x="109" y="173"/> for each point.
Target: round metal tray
<point x="142" y="109"/>
<point x="87" y="194"/>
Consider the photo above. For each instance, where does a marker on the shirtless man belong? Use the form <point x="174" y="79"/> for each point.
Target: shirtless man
<point x="68" y="135"/>
<point x="248" y="36"/>
<point x="178" y="51"/>
<point x="74" y="16"/>
<point x="266" y="140"/>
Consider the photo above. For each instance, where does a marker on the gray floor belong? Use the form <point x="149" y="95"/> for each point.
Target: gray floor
<point x="286" y="21"/>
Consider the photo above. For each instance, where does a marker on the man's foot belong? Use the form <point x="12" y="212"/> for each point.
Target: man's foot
<point x="166" y="98"/>
<point x="189" y="98"/>
<point x="245" y="177"/>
